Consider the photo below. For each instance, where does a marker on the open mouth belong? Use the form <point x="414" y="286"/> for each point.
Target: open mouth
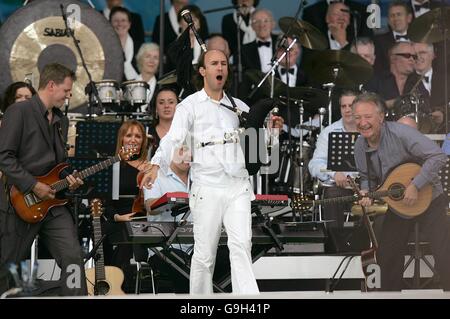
<point x="219" y="77"/>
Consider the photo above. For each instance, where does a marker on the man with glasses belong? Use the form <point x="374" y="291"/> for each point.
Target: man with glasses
<point x="393" y="84"/>
<point x="430" y="85"/>
<point x="259" y="53"/>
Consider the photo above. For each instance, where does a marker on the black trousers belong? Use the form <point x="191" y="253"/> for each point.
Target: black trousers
<point x="58" y="233"/>
<point x="435" y="226"/>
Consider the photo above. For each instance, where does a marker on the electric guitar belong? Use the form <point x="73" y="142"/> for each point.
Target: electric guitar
<point x="391" y="192"/>
<point x="32" y="209"/>
<point x="102" y="280"/>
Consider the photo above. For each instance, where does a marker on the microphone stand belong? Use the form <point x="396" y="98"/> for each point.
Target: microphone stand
<point x="238" y="72"/>
<point x="90" y="89"/>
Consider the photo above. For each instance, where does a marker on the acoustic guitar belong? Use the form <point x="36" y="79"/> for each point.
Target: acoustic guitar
<point x="32" y="209"/>
<point x="391" y="192"/>
<point x="102" y="280"/>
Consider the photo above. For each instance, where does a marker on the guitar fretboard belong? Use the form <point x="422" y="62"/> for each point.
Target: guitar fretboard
<point x="100" y="262"/>
<point x="63" y="183"/>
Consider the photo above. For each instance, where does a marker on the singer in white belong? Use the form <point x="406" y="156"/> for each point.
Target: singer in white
<point x="221" y="192"/>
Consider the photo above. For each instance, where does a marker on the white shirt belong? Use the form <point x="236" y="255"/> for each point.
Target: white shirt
<point x="402" y="39"/>
<point x="418" y="13"/>
<point x="106" y="12"/>
<point x="334" y="45"/>
<point x="152" y="88"/>
<point x="320" y="158"/>
<point x="130" y="72"/>
<point x="166" y="183"/>
<point x="426" y="84"/>
<point x="199" y="119"/>
<point x="292" y="77"/>
<point x="265" y="55"/>
<point x="173" y="19"/>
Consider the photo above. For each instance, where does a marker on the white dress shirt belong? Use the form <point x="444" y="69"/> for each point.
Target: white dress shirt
<point x="318" y="163"/>
<point x="265" y="55"/>
<point x="426" y="84"/>
<point x="130" y="72"/>
<point x="421" y="11"/>
<point x="199" y="119"/>
<point x="292" y="76"/>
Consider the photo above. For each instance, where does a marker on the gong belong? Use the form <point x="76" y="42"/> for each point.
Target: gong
<point x="36" y="35"/>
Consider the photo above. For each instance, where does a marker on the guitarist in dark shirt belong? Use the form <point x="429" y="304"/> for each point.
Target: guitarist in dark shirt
<point x="32" y="144"/>
<point x="381" y="148"/>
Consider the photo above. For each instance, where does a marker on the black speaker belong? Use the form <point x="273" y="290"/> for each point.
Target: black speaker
<point x="347" y="240"/>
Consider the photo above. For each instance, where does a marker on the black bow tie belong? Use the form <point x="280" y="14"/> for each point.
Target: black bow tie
<point x="263" y="43"/>
<point x="283" y="71"/>
<point x="425" y="5"/>
<point x="399" y="37"/>
<point x="426" y="79"/>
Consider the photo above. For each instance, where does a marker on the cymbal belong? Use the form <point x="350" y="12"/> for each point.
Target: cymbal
<point x="307" y="96"/>
<point x="35" y="35"/>
<point x="312" y="98"/>
<point x="429" y="27"/>
<point x="341" y="67"/>
<point x="168" y="78"/>
<point x="308" y="36"/>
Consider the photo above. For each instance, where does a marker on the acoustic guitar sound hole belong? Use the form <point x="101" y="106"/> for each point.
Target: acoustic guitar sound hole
<point x="396" y="191"/>
<point x="102" y="288"/>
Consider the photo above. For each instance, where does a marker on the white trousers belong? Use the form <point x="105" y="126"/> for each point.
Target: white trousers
<point x="211" y="207"/>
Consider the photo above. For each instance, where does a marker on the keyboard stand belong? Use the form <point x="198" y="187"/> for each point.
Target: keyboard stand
<point x="166" y="252"/>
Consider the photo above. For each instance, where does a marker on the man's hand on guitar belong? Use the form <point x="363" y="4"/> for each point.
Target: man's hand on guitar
<point x="149" y="177"/>
<point x="364" y="201"/>
<point x="411" y="195"/>
<point x="74" y="181"/>
<point x="43" y="191"/>
<point x="341" y="180"/>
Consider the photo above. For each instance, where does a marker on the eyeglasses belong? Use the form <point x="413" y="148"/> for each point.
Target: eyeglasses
<point x="257" y="22"/>
<point x="407" y="55"/>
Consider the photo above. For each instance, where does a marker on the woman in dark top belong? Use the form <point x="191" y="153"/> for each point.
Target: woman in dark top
<point x="163" y="105"/>
<point x="131" y="133"/>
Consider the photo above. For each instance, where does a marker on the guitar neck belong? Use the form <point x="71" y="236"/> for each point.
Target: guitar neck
<point x="100" y="262"/>
<point x="63" y="184"/>
<point x="352" y="198"/>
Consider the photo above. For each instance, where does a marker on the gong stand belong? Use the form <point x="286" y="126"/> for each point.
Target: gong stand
<point x="91" y="89"/>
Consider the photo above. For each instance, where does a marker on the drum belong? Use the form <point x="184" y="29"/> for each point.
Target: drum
<point x="108" y="92"/>
<point x="135" y="92"/>
<point x="406" y="106"/>
<point x="288" y="177"/>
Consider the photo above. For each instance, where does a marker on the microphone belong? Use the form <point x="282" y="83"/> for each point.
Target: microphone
<point x="186" y="14"/>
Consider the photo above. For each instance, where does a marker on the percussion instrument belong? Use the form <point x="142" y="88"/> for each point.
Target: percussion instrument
<point x="308" y="35"/>
<point x="135" y="93"/>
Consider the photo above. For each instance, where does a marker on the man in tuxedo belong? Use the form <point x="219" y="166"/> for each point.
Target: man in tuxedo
<point x="420" y="7"/>
<point x="137" y="27"/>
<point x="430" y="85"/>
<point x="258" y="54"/>
<point x="399" y="19"/>
<point x="315" y="15"/>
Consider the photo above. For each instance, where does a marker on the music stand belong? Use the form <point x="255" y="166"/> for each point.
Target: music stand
<point x="96" y="139"/>
<point x="101" y="181"/>
<point x="341" y="151"/>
